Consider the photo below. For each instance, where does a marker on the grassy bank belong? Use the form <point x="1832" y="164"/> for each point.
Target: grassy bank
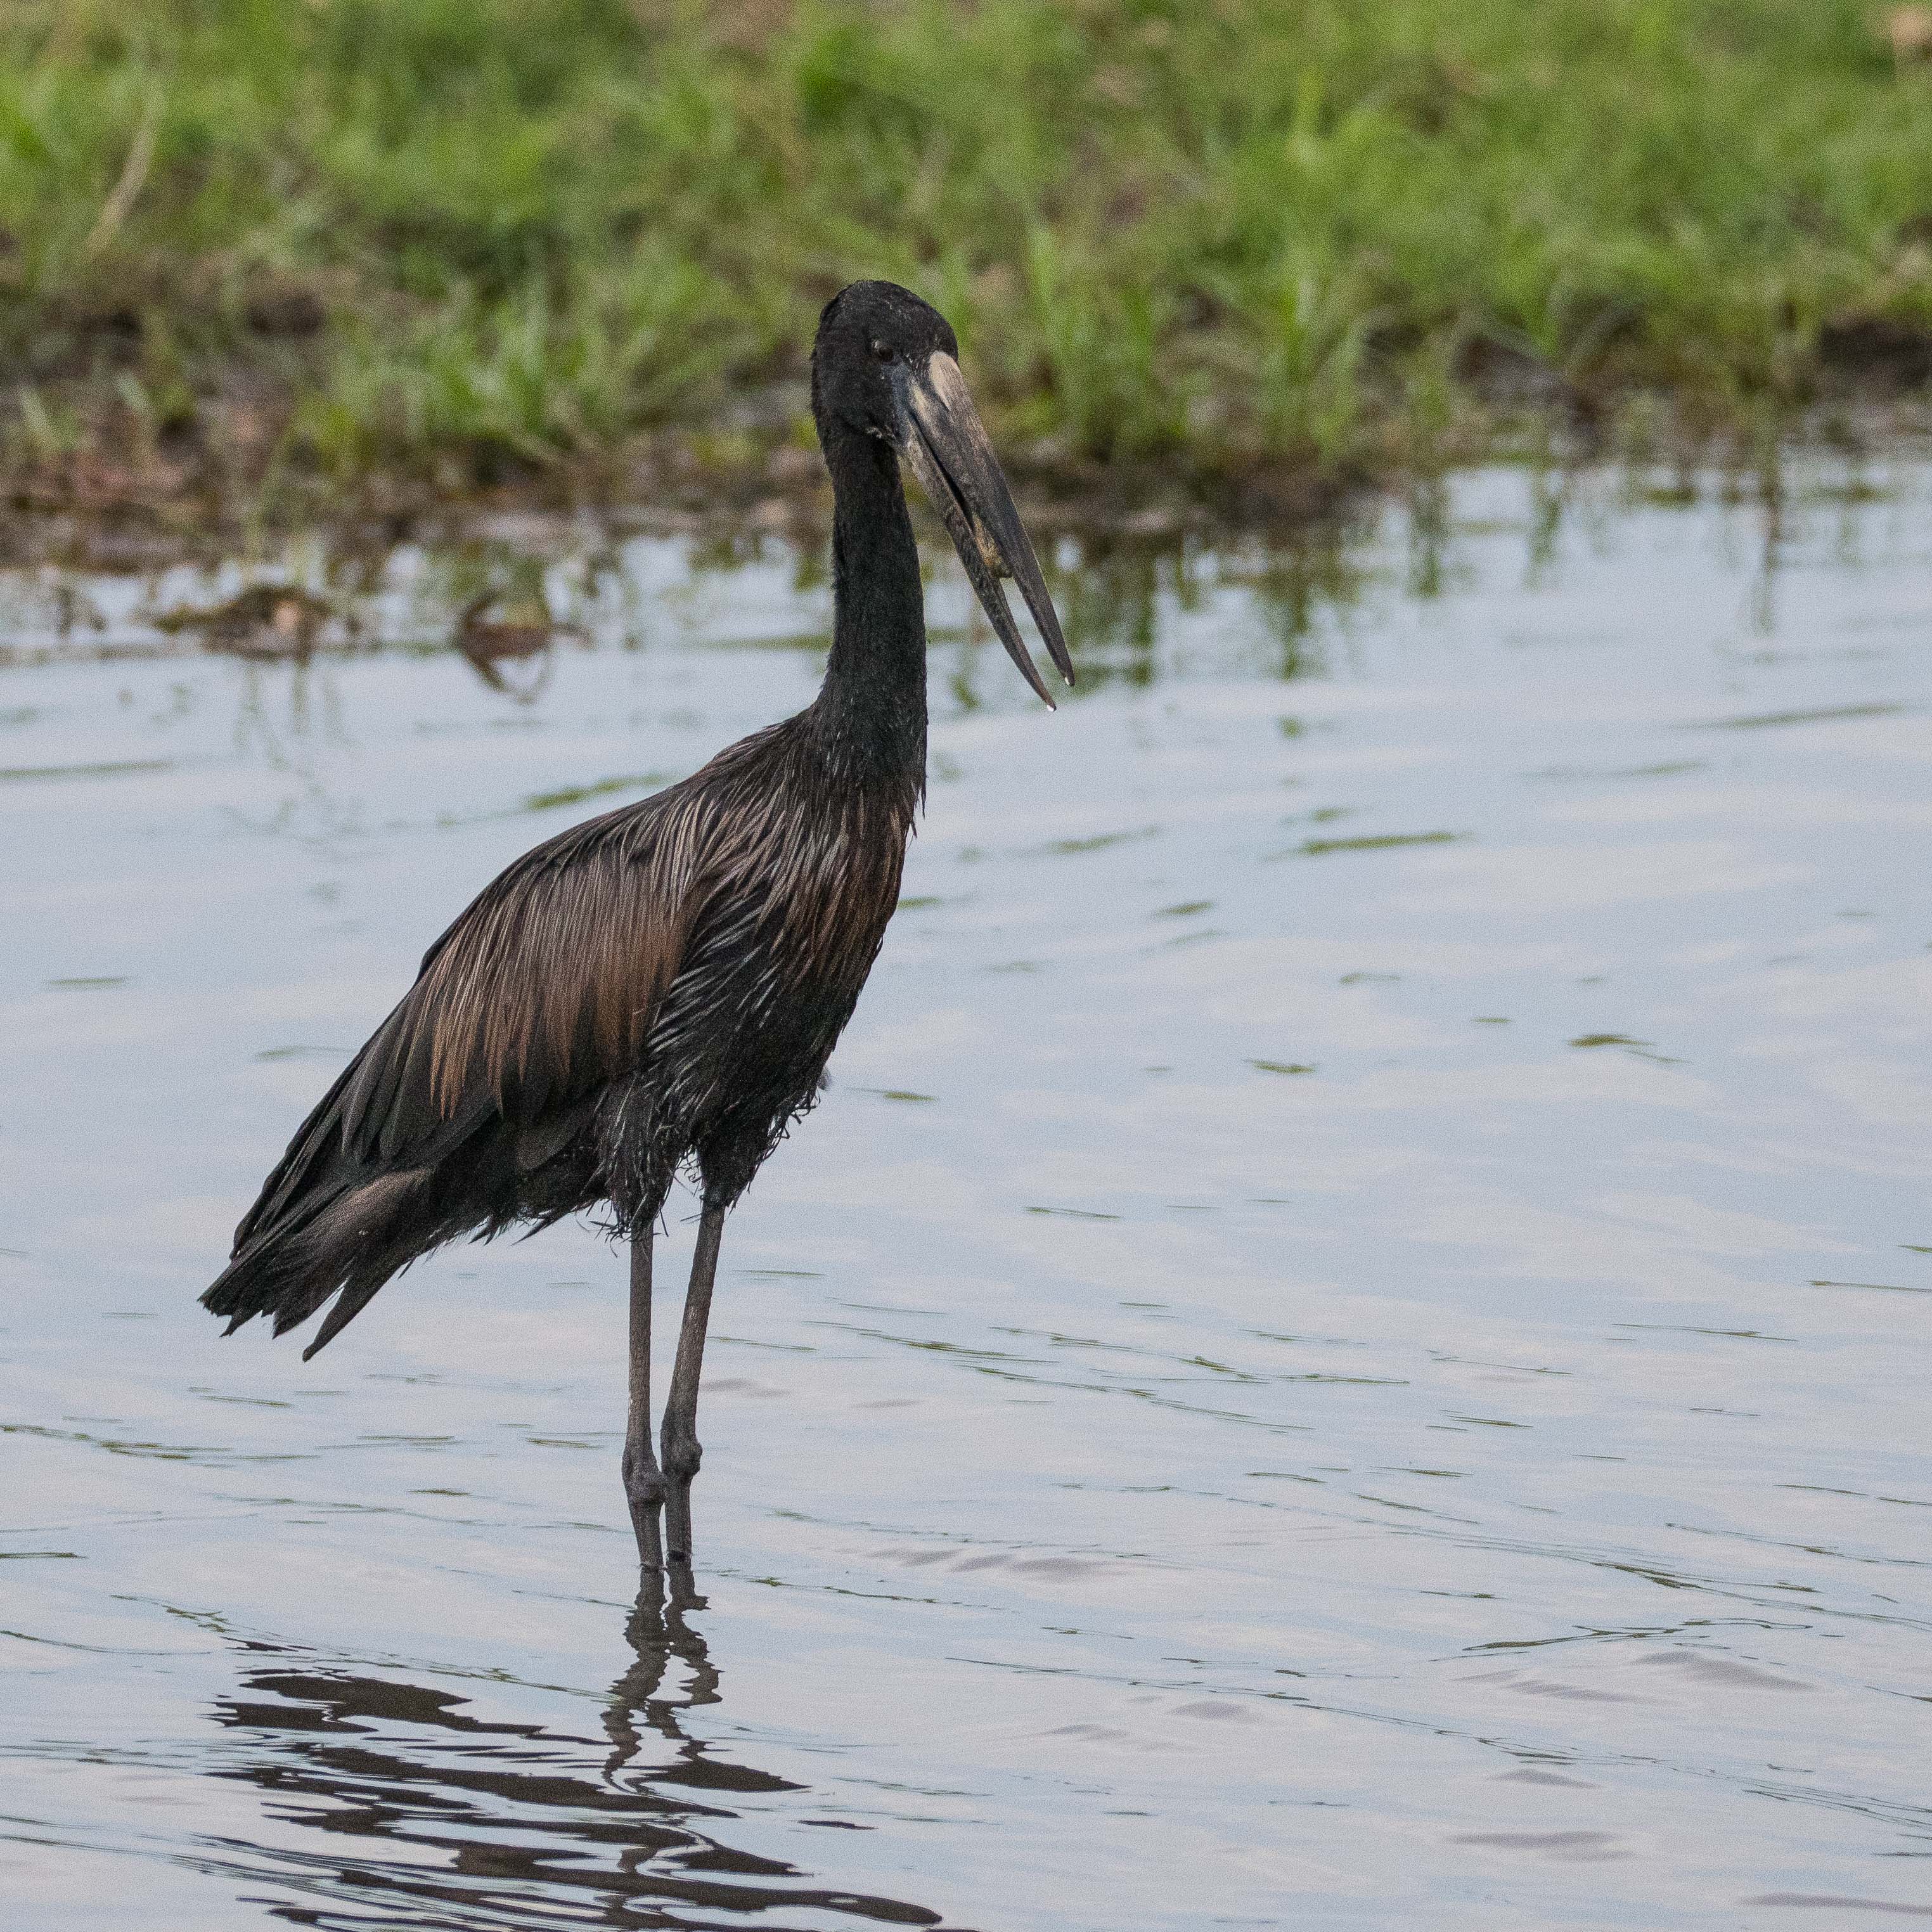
<point x="446" y="243"/>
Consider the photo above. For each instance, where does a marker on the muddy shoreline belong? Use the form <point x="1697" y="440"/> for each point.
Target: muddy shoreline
<point x="288" y="574"/>
<point x="95" y="512"/>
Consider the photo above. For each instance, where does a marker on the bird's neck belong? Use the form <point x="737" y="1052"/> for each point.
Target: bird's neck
<point x="870" y="715"/>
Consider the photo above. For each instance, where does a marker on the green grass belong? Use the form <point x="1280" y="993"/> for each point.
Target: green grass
<point x="460" y="241"/>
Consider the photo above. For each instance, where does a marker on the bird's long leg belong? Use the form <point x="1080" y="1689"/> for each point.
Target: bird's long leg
<point x="682" y="1453"/>
<point x="643" y="1480"/>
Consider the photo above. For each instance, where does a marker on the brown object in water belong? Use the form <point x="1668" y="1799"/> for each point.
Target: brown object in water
<point x="490" y="643"/>
<point x="270" y="620"/>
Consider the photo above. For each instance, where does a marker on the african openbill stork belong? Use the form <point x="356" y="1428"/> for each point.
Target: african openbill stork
<point x="659" y="989"/>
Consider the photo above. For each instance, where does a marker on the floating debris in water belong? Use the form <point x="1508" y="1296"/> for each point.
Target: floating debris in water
<point x="523" y="633"/>
<point x="269" y="620"/>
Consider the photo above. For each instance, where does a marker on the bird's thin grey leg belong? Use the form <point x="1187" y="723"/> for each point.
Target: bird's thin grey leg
<point x="643" y="1480"/>
<point x="682" y="1453"/>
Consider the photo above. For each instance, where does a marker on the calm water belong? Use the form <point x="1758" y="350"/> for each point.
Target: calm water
<point x="1347" y="1349"/>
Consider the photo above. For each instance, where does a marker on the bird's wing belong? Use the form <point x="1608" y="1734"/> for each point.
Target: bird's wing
<point x="543" y="988"/>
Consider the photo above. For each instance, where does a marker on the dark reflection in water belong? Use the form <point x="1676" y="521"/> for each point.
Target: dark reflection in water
<point x="506" y="599"/>
<point x="427" y="1816"/>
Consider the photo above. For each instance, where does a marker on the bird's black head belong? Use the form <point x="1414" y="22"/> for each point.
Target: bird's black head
<point x="869" y="332"/>
<point x="887" y="365"/>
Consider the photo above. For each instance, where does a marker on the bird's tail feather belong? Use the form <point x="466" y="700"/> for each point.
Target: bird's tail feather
<point x="354" y="1240"/>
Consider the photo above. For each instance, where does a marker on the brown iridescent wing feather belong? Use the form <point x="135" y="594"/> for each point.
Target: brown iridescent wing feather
<point x="660" y="983"/>
<point x="542" y="989"/>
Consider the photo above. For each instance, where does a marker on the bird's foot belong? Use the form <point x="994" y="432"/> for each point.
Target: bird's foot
<point x="677" y="1527"/>
<point x="645" y="1490"/>
<point x="681" y="1456"/>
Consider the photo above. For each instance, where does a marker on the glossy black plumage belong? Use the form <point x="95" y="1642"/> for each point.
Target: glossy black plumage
<point x="664" y="983"/>
<point x="660" y="987"/>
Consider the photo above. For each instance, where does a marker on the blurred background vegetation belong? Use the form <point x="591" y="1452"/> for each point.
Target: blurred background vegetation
<point x="452" y="245"/>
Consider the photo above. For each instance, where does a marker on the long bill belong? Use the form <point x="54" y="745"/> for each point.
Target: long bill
<point x="946" y="445"/>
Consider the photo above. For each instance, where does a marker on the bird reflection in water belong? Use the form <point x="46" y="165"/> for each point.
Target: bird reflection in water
<point x="510" y="643"/>
<point x="431" y="1817"/>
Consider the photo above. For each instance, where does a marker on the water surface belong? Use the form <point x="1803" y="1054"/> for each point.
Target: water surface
<point x="1346" y="1349"/>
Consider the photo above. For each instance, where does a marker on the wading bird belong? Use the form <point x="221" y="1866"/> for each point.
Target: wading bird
<point x="659" y="989"/>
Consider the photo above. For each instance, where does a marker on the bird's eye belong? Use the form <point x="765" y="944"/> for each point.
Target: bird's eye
<point x="884" y="352"/>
